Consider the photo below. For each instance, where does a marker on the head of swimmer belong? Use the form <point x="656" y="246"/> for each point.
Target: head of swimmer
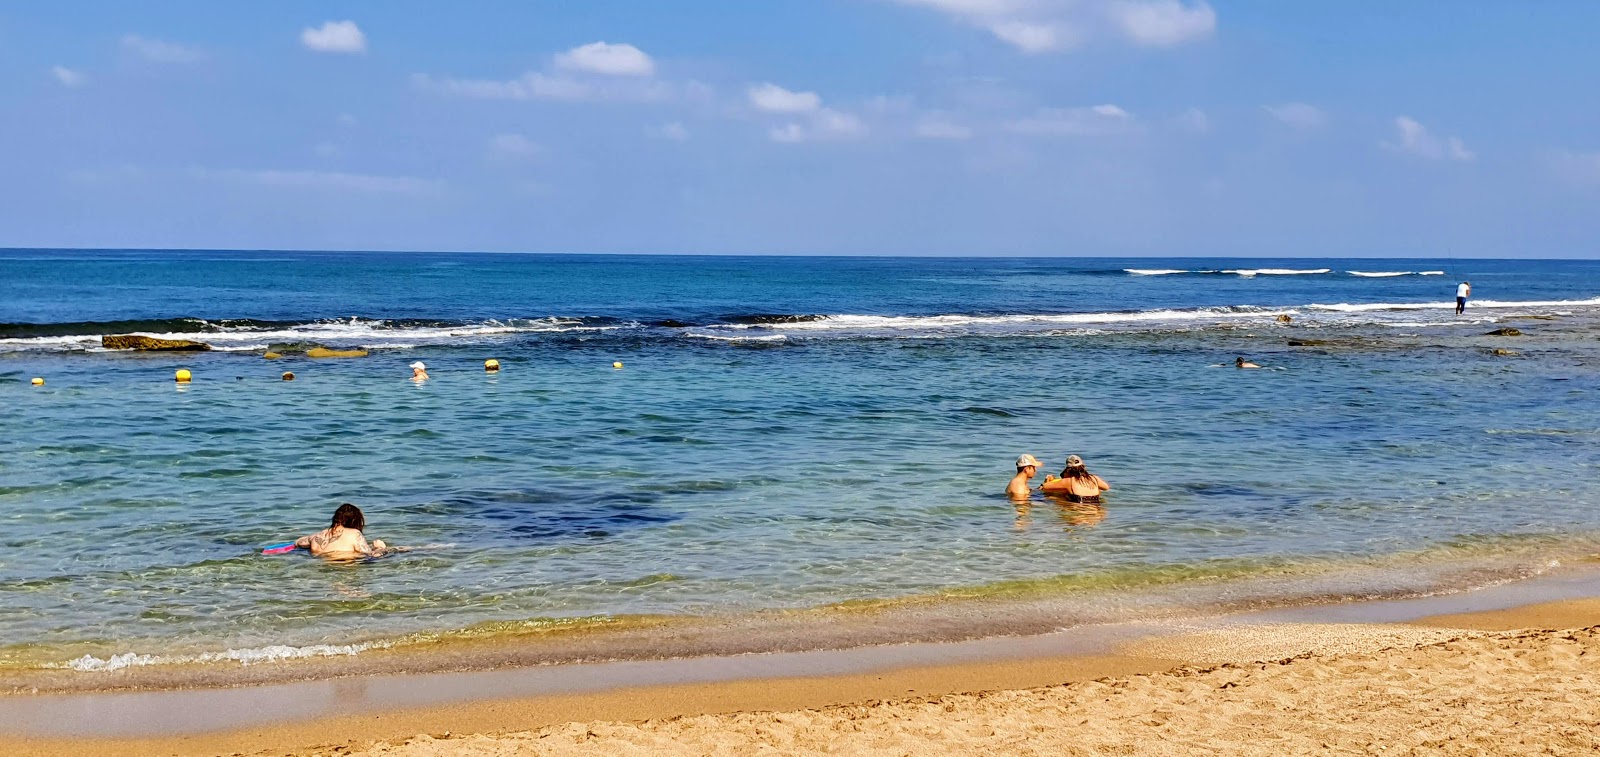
<point x="349" y="516"/>
<point x="1075" y="468"/>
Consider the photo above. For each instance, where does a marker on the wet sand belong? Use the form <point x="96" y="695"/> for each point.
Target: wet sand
<point x="1478" y="682"/>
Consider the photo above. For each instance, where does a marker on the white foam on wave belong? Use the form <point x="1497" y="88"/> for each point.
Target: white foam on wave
<point x="250" y="656"/>
<point x="1391" y="274"/>
<point x="354" y="331"/>
<point x="1345" y="307"/>
<point x="1252" y="272"/>
<point x="1155" y="271"/>
<point x="902" y="322"/>
<point x="760" y="338"/>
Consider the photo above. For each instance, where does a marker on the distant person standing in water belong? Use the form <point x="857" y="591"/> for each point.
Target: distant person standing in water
<point x="1240" y="362"/>
<point x="419" y="371"/>
<point x="1027" y="468"/>
<point x="1463" y="291"/>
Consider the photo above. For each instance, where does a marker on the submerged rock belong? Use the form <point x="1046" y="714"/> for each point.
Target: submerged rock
<point x="272" y="355"/>
<point x="1504" y="353"/>
<point x="1285" y="318"/>
<point x="1309" y="342"/>
<point x="294" y="348"/>
<point x="1508" y="331"/>
<point x="136" y="342"/>
<point x="325" y="352"/>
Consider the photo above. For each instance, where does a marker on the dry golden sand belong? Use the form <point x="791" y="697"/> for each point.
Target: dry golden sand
<point x="1462" y="684"/>
<point x="1306" y="688"/>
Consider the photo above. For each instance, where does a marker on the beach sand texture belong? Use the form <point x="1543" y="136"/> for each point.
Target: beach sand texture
<point x="1374" y="690"/>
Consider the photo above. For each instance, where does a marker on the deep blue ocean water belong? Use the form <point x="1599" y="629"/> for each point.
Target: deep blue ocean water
<point x="786" y="433"/>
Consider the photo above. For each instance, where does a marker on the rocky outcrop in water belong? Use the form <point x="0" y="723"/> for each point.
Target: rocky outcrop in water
<point x="1504" y="332"/>
<point x="136" y="342"/>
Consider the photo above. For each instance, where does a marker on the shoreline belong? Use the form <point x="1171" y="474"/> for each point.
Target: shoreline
<point x="1087" y="605"/>
<point x="291" y="716"/>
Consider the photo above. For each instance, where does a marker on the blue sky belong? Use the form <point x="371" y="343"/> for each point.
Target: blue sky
<point x="947" y="127"/>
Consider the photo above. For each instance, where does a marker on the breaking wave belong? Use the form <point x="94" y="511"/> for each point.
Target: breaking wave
<point x="250" y="656"/>
<point x="1243" y="272"/>
<point x="1391" y="274"/>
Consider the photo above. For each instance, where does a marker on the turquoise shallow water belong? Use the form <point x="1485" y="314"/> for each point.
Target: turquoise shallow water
<point x="787" y="463"/>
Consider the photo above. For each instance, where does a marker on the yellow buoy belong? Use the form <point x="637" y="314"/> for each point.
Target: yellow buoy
<point x="491" y="365"/>
<point x="38" y="382"/>
<point x="617" y="364"/>
<point x="288" y="375"/>
<point x="183" y="375"/>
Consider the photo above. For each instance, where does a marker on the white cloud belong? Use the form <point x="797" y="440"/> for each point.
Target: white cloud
<point x="819" y="123"/>
<point x="831" y="123"/>
<point x="1163" y="23"/>
<point x="1039" y="26"/>
<point x="535" y="85"/>
<point x="1415" y="139"/>
<point x="608" y="59"/>
<point x="673" y="131"/>
<point x="772" y="98"/>
<point x="354" y="182"/>
<point x="334" y="37"/>
<point x="68" y="77"/>
<point x="1029" y="37"/>
<point x="1094" y="121"/>
<point x="825" y="124"/>
<point x="346" y="120"/>
<point x="513" y="145"/>
<point x="938" y="127"/>
<point x="1298" y="115"/>
<point x="159" y="51"/>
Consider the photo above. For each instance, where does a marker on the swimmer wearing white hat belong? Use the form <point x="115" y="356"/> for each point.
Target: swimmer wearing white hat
<point x="419" y="371"/>
<point x="1027" y="468"/>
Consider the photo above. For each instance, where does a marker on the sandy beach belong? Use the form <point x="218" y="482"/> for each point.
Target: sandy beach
<point x="1517" y="681"/>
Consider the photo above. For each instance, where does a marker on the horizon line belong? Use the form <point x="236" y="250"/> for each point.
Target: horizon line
<point x="283" y="250"/>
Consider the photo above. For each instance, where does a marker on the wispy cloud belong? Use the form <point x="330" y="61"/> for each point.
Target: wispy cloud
<point x="672" y="131"/>
<point x="1414" y="139"/>
<point x="607" y="59"/>
<point x="513" y="146"/>
<point x="321" y="180"/>
<point x="536" y="85"/>
<point x="1581" y="168"/>
<point x="159" y="51"/>
<point x="1041" y="26"/>
<point x="68" y="77"/>
<point x="1298" y="115"/>
<point x="1163" y="23"/>
<point x="334" y="37"/>
<point x="771" y="98"/>
<point x="818" y="122"/>
<point x="941" y="127"/>
<point x="1194" y="120"/>
<point x="1092" y="121"/>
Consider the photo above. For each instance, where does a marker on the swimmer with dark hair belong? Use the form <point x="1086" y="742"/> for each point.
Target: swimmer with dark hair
<point x="344" y="538"/>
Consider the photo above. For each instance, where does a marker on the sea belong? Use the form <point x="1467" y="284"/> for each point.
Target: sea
<point x="794" y="438"/>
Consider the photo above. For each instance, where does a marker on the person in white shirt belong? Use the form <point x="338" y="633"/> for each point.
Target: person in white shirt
<point x="1462" y="293"/>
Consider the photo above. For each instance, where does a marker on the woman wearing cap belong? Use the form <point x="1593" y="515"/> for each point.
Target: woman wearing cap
<point x="419" y="371"/>
<point x="1027" y="468"/>
<point x="1077" y="484"/>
